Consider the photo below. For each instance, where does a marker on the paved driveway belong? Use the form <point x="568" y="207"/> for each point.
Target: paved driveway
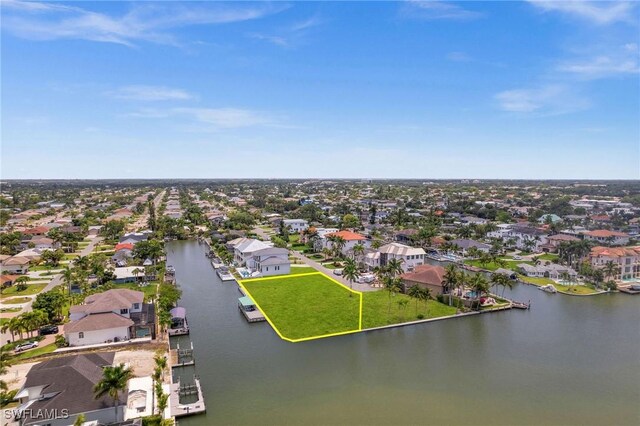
<point x="327" y="271"/>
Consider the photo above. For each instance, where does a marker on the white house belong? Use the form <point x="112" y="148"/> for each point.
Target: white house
<point x="103" y="317"/>
<point x="410" y="256"/>
<point x="604" y="236"/>
<point x="350" y="238"/>
<point x="270" y="261"/>
<point x="551" y="270"/>
<point x="522" y="237"/>
<point x="243" y="249"/>
<point x="296" y="225"/>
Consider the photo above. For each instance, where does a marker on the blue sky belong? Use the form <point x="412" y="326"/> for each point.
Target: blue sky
<point x="411" y="89"/>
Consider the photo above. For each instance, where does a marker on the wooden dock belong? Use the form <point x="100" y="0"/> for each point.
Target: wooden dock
<point x="252" y="316"/>
<point x="177" y="409"/>
<point x="181" y="357"/>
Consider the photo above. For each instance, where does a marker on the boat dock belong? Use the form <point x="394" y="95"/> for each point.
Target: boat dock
<point x="181" y="357"/>
<point x="628" y="289"/>
<point x="177" y="409"/>
<point x="250" y="310"/>
<point x="225" y="274"/>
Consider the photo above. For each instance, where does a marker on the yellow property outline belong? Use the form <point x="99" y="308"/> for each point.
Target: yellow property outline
<point x="280" y="277"/>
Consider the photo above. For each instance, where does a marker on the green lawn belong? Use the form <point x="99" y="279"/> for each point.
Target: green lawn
<point x="307" y="306"/>
<point x="4" y="310"/>
<point x="31" y="289"/>
<point x="148" y="290"/>
<point x="40" y="350"/>
<point x="42" y="268"/>
<point x="491" y="266"/>
<point x="536" y="281"/>
<point x="330" y="265"/>
<point x="15" y="300"/>
<point x="576" y="289"/>
<point x="301" y="270"/>
<point x="379" y="309"/>
<point x="549" y="256"/>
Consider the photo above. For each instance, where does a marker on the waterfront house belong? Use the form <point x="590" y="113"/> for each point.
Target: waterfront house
<point x="65" y="384"/>
<point x="549" y="270"/>
<point x="123" y="253"/>
<point x="130" y="274"/>
<point x="410" y="256"/>
<point x="426" y="276"/>
<point x="465" y="244"/>
<point x="117" y="314"/>
<point x="626" y="258"/>
<point x="243" y="249"/>
<point x="270" y="261"/>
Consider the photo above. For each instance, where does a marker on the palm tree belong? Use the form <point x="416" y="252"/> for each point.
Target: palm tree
<point x="326" y="252"/>
<point x="351" y="272"/>
<point x="393" y="286"/>
<point x="394" y="267"/>
<point x="67" y="278"/>
<point x="402" y="304"/>
<point x="376" y="244"/>
<point x="611" y="269"/>
<point x="480" y="285"/>
<point x="338" y="245"/>
<point x="114" y="380"/>
<point x="415" y="292"/>
<point x="358" y="250"/>
<point x="450" y="279"/>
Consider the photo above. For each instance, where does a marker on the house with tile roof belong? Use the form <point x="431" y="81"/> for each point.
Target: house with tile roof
<point x="604" y="236"/>
<point x="114" y="315"/>
<point x="351" y="240"/>
<point x="426" y="276"/>
<point x="627" y="259"/>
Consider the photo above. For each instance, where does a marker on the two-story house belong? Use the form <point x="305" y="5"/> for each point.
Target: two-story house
<point x="410" y="256"/>
<point x="117" y="314"/>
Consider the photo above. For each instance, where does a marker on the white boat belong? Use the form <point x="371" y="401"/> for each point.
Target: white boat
<point x="549" y="288"/>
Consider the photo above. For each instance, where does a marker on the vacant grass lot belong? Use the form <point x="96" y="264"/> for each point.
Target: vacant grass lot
<point x="301" y="270"/>
<point x="31" y="289"/>
<point x="306" y="306"/>
<point x="380" y="309"/>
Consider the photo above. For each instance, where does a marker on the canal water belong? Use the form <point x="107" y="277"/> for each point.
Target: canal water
<point x="567" y="361"/>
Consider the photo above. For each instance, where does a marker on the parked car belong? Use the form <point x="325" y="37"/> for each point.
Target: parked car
<point x="337" y="272"/>
<point x="25" y="346"/>
<point x="517" y="257"/>
<point x="48" y="329"/>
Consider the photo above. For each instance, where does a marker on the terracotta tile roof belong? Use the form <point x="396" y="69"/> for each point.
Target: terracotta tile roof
<point x="427" y="274"/>
<point x="615" y="251"/>
<point x="36" y="230"/>
<point x="347" y="235"/>
<point x="120" y="246"/>
<point x="603" y="233"/>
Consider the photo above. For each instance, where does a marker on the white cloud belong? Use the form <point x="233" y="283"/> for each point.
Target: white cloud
<point x="550" y="99"/>
<point x="602" y="66"/>
<point x="214" y="119"/>
<point x="608" y="62"/>
<point x="600" y="13"/>
<point x="290" y="36"/>
<point x="436" y="10"/>
<point x="149" y="93"/>
<point x="458" y="57"/>
<point x="151" y="22"/>
<point x="227" y="118"/>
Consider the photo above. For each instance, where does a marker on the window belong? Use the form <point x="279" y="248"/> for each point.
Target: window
<point x="136" y="306"/>
<point x="81" y="335"/>
<point x="124" y="311"/>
